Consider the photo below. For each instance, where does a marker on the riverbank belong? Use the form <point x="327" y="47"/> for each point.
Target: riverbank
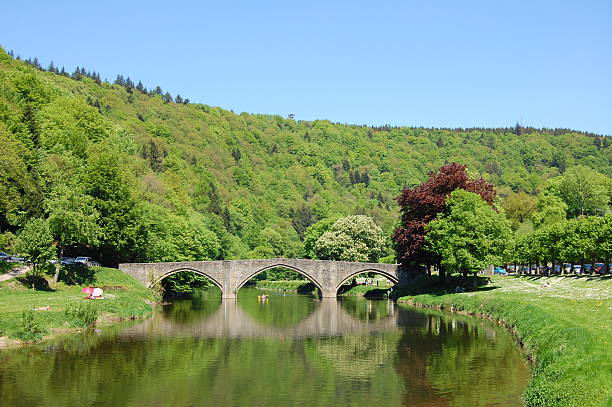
<point x="125" y="299"/>
<point x="298" y="286"/>
<point x="563" y="323"/>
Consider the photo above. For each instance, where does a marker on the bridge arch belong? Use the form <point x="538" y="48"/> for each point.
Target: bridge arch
<point x="177" y="270"/>
<point x="283" y="265"/>
<point x="383" y="273"/>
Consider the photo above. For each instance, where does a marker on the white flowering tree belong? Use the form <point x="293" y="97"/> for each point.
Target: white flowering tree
<point x="353" y="238"/>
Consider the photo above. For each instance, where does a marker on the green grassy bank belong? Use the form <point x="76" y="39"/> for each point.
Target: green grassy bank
<point x="564" y="324"/>
<point x="124" y="299"/>
<point x="368" y="291"/>
<point x="300" y="286"/>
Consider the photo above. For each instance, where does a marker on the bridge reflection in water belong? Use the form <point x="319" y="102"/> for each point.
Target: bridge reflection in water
<point x="230" y="320"/>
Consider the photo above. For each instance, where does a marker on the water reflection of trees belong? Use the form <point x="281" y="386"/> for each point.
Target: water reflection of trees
<point x="458" y="361"/>
<point x="367" y="310"/>
<point x="202" y="304"/>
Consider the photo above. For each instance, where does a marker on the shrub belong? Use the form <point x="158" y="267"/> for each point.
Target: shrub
<point x="30" y="329"/>
<point x="82" y="315"/>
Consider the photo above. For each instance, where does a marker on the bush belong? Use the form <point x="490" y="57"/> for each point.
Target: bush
<point x="30" y="329"/>
<point x="82" y="315"/>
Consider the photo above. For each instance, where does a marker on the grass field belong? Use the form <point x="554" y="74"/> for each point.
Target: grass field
<point x="564" y="323"/>
<point x="124" y="299"/>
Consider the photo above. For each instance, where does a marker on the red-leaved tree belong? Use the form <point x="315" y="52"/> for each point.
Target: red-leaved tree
<point x="421" y="204"/>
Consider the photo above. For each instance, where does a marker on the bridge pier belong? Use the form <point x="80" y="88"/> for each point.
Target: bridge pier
<point x="228" y="294"/>
<point x="329" y="294"/>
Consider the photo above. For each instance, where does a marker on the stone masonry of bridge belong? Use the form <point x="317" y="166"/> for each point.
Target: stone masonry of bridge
<point x="231" y="275"/>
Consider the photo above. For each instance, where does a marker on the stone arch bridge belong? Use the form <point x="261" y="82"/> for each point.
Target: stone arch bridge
<point x="231" y="275"/>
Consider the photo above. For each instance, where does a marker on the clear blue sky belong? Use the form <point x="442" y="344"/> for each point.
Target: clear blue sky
<point x="419" y="63"/>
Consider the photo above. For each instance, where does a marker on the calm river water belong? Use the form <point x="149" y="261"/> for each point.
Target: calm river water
<point x="292" y="350"/>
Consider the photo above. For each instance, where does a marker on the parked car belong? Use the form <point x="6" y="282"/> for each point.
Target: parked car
<point x="15" y="259"/>
<point x="587" y="268"/>
<point x="557" y="269"/>
<point x="500" y="271"/>
<point x="600" y="268"/>
<point x="67" y="261"/>
<point x="86" y="261"/>
<point x="577" y="269"/>
<point x="4" y="256"/>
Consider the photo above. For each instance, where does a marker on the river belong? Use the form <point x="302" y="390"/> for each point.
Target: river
<point x="291" y="350"/>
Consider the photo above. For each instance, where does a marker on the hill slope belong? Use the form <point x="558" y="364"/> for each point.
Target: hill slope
<point x="172" y="181"/>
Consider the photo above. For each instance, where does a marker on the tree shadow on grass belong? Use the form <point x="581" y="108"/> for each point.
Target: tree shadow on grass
<point x="38" y="283"/>
<point x="588" y="277"/>
<point x="451" y="285"/>
<point x="76" y="274"/>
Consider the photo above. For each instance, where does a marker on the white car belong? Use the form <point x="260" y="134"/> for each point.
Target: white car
<point x="86" y="261"/>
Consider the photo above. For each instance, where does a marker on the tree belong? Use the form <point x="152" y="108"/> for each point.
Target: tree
<point x="313" y="233"/>
<point x="123" y="233"/>
<point x="549" y="210"/>
<point x="421" y="204"/>
<point x="518" y="207"/>
<point x="302" y="218"/>
<point x="353" y="238"/>
<point x="167" y="97"/>
<point x="470" y="235"/>
<point x="585" y="191"/>
<point x="73" y="218"/>
<point x="36" y="243"/>
<point x="19" y="194"/>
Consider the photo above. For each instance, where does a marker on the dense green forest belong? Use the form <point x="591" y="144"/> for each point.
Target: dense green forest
<point x="123" y="173"/>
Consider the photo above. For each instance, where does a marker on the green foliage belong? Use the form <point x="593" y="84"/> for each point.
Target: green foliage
<point x="19" y="193"/>
<point x="185" y="282"/>
<point x="470" y="236"/>
<point x="69" y="124"/>
<point x="550" y="209"/>
<point x="519" y="206"/>
<point x="352" y="238"/>
<point x="30" y="329"/>
<point x="585" y="191"/>
<point x="35" y="241"/>
<point x="582" y="240"/>
<point x="313" y="233"/>
<point x="73" y="219"/>
<point x="135" y="162"/>
<point x="302" y="286"/>
<point x="81" y="315"/>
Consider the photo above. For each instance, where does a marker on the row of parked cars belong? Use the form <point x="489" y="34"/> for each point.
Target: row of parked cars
<point x="11" y="259"/>
<point x="76" y="261"/>
<point x="64" y="261"/>
<point x="568" y="268"/>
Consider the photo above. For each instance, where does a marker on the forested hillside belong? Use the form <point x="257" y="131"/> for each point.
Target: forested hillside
<point x="126" y="174"/>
